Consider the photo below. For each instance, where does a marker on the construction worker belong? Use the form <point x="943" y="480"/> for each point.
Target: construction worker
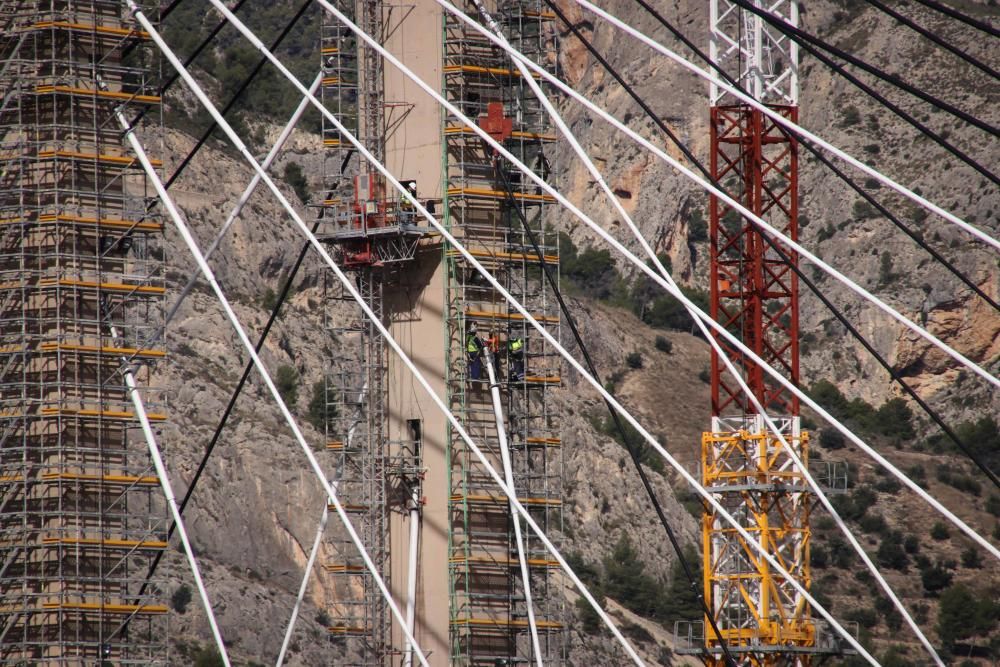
<point x="408" y="198"/>
<point x="515" y="356"/>
<point x="474" y="348"/>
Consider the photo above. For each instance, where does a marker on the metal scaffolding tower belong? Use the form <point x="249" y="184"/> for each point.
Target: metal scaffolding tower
<point x="81" y="291"/>
<point x="373" y="235"/>
<point x="488" y="620"/>
<point x="761" y="617"/>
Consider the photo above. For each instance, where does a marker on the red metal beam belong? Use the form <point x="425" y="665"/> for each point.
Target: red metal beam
<point x="754" y="293"/>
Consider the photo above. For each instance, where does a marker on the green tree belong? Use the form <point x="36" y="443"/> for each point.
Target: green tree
<point x="626" y="581"/>
<point x="319" y="411"/>
<point x="296" y="178"/>
<point x="963" y="614"/>
<point x="181" y="598"/>
<point x="208" y="657"/>
<point x="287" y="382"/>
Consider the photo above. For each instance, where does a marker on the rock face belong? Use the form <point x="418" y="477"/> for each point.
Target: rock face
<point x="253" y="517"/>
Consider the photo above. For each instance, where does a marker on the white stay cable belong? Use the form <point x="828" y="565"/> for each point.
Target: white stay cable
<point x="147" y="430"/>
<point x="241" y="202"/>
<point x="697" y="178"/>
<point x="393" y="344"/>
<point x="795" y="128"/>
<point x="725" y="358"/>
<point x="305" y="584"/>
<point x="423" y="85"/>
<point x="234" y="320"/>
<point x="508" y="477"/>
<point x="528" y="317"/>
<point x="316" y="544"/>
<point x="677" y="293"/>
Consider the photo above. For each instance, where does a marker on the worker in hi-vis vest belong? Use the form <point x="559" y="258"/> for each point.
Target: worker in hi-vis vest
<point x="474" y="348"/>
<point x="515" y="355"/>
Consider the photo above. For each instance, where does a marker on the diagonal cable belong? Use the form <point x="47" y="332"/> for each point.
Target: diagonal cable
<point x="894" y="375"/>
<point x="632" y="258"/>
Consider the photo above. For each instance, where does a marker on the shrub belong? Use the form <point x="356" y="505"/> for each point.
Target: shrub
<point x="935" y="578"/>
<point x="634" y="360"/>
<point x="939" y="531"/>
<point x="704" y="376"/>
<point x="830" y="438"/>
<point x="323" y="618"/>
<point x="181" y="598"/>
<point x="287" y="382"/>
<point x="971" y="558"/>
<point x="885" y="274"/>
<point x="963" y="614"/>
<point x="851" y="116"/>
<point x="296" y="178"/>
<point x="319" y="411"/>
<point x="664" y="345"/>
<point x="208" y="657"/>
<point x="993" y="505"/>
<point x="891" y="552"/>
<point x="268" y="299"/>
<point x="894" y="418"/>
<point x="862" y="210"/>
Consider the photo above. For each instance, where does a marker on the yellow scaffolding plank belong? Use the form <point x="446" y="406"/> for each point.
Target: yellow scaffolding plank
<point x="127" y="480"/>
<point x="343" y="568"/>
<point x="540" y="379"/>
<point x="553" y="442"/>
<point x="501" y="562"/>
<point x="330" y="80"/>
<point x="346" y="630"/>
<point x="110" y="159"/>
<point x="107" y="608"/>
<point x="484" y="193"/>
<point x="104" y="94"/>
<point x="496" y="500"/>
<point x="348" y="507"/>
<point x="329" y="50"/>
<point x="516" y="134"/>
<point x="103" y="414"/>
<point x="87" y="284"/>
<point x="90" y="27"/>
<point x="331" y="143"/>
<point x="495" y="315"/>
<point x="478" y="69"/>
<point x="106" y="349"/>
<point x="504" y="623"/>
<point x="515" y="256"/>
<point x="98" y="222"/>
<point x="147" y="545"/>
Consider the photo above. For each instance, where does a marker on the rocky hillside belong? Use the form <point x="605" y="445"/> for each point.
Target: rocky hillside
<point x="254" y="514"/>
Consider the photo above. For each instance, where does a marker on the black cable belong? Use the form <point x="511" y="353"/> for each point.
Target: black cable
<point x="236" y="96"/>
<point x="812" y="287"/>
<point x="188" y="61"/>
<point x="801" y="37"/>
<point x="802" y="141"/>
<point x="285" y="289"/>
<point x="632" y="448"/>
<point x="169" y="9"/>
<point x="926" y="131"/>
<point x="968" y="20"/>
<point x="913" y="25"/>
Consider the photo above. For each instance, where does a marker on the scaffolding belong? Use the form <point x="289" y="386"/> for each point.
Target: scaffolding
<point x="488" y="615"/>
<point x="81" y="292"/>
<point x="373" y="235"/>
